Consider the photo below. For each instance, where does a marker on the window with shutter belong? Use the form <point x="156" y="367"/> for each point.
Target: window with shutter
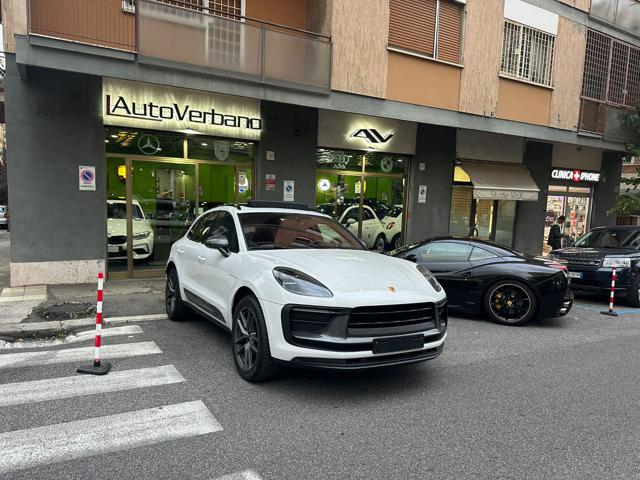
<point x="413" y="27"/>
<point x="450" y="31"/>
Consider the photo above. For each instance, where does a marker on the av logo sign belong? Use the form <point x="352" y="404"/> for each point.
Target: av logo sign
<point x="371" y="135"/>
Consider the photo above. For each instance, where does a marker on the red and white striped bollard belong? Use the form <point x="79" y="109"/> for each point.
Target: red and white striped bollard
<point x="98" y="367"/>
<point x="611" y="295"/>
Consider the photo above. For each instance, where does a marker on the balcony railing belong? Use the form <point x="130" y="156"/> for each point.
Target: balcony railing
<point x="605" y="120"/>
<point x="187" y="34"/>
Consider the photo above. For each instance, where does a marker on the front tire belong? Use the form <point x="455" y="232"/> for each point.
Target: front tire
<point x="176" y="308"/>
<point x="395" y="242"/>
<point x="251" y="352"/>
<point x="380" y="243"/>
<point x="510" y="302"/>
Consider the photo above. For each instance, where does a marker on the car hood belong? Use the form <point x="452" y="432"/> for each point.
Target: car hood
<point x="570" y="252"/>
<point x="118" y="226"/>
<point x="356" y="271"/>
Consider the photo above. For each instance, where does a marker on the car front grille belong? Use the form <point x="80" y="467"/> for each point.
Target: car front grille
<point x="117" y="240"/>
<point x="391" y="319"/>
<point x="584" y="260"/>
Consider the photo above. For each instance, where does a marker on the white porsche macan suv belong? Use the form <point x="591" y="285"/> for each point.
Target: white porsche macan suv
<point x="295" y="287"/>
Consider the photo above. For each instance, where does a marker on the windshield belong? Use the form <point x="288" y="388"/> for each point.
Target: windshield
<point x="394" y="212"/>
<point x="270" y="230"/>
<point x="118" y="211"/>
<point x="610" y="238"/>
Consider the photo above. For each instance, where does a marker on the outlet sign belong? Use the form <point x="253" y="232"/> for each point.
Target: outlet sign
<point x="148" y="106"/>
<point x="576" y="175"/>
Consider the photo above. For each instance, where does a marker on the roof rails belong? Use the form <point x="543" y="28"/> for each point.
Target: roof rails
<point x="274" y="204"/>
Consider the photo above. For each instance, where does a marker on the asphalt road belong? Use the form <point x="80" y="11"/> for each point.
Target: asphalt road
<point x="555" y="399"/>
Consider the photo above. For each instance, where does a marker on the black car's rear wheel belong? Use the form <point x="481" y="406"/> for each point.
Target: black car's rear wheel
<point x="251" y="352"/>
<point x="510" y="302"/>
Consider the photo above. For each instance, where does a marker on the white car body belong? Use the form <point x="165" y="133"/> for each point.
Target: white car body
<point x="371" y="227"/>
<point x="4" y="217"/>
<point x="212" y="283"/>
<point x="143" y="236"/>
<point x="392" y="227"/>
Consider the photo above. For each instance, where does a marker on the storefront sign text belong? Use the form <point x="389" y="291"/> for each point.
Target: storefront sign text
<point x="488" y="194"/>
<point x="575" y="175"/>
<point x="157" y="107"/>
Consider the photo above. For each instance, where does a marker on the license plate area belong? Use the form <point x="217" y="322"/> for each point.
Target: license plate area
<point x="575" y="274"/>
<point x="397" y="344"/>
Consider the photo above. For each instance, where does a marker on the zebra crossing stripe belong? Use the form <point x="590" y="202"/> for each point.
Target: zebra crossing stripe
<point x="77" y="386"/>
<point x="246" y="475"/>
<point x="83" y="438"/>
<point x="69" y="355"/>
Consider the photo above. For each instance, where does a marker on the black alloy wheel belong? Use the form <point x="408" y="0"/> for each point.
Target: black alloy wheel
<point x="510" y="303"/>
<point x="175" y="307"/>
<point x="251" y="352"/>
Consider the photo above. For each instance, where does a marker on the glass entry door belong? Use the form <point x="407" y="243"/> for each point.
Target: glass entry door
<point x="163" y="204"/>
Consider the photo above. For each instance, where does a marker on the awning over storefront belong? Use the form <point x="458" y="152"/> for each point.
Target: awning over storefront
<point x="501" y="181"/>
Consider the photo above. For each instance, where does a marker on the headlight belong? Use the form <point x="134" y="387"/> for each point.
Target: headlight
<point x="618" y="262"/>
<point x="141" y="235"/>
<point x="430" y="278"/>
<point x="300" y="283"/>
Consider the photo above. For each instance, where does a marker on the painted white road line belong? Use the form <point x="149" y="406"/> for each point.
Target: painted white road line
<point x="246" y="475"/>
<point x="77" y="338"/>
<point x="68" y="441"/>
<point x="69" y="355"/>
<point x="81" y="385"/>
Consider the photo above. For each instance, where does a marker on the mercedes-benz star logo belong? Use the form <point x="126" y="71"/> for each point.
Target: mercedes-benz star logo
<point x="148" y="144"/>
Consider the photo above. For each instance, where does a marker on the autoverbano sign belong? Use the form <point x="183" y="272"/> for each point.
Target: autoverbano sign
<point x="143" y="105"/>
<point x="575" y="175"/>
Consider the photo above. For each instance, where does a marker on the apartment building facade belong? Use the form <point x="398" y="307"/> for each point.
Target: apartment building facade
<point x="128" y="118"/>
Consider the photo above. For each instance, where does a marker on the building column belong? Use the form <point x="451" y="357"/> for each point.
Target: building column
<point x="436" y="150"/>
<point x="54" y="125"/>
<point x="606" y="191"/>
<point x="529" y="225"/>
<point x="290" y="132"/>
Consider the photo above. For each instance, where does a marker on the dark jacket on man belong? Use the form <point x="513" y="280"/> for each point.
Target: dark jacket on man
<point x="555" y="237"/>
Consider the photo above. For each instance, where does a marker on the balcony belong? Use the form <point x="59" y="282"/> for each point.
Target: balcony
<point x="191" y="36"/>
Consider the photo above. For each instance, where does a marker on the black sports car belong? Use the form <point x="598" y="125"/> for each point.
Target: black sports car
<point x="479" y="276"/>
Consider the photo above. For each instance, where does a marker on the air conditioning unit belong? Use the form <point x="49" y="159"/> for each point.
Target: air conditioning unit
<point x="129" y="6"/>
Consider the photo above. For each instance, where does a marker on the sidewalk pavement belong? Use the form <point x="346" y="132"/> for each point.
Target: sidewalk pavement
<point x="46" y="310"/>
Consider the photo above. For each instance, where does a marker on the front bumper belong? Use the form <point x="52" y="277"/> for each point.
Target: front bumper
<point x="350" y="353"/>
<point x="598" y="280"/>
<point x="142" y="249"/>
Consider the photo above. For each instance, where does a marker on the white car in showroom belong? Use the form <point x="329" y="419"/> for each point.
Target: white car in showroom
<point x="392" y="224"/>
<point x="295" y="287"/>
<point x="143" y="237"/>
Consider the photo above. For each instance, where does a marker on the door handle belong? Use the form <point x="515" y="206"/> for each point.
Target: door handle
<point x="202" y="259"/>
<point x="466" y="274"/>
<point x="180" y="251"/>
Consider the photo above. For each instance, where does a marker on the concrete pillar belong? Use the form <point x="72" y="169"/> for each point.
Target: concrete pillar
<point x="606" y="191"/>
<point x="436" y="149"/>
<point x="58" y="233"/>
<point x="291" y="133"/>
<point x="529" y="227"/>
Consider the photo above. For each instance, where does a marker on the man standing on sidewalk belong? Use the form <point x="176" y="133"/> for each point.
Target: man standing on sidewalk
<point x="555" y="234"/>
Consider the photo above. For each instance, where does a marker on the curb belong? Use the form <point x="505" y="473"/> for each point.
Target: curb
<point x="51" y="328"/>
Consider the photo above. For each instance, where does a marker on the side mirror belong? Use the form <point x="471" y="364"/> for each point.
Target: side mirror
<point x="350" y="221"/>
<point x="220" y="243"/>
<point x="411" y="257"/>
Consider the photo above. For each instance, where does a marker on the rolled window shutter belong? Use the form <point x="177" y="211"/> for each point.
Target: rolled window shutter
<point x="412" y="25"/>
<point x="450" y="31"/>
